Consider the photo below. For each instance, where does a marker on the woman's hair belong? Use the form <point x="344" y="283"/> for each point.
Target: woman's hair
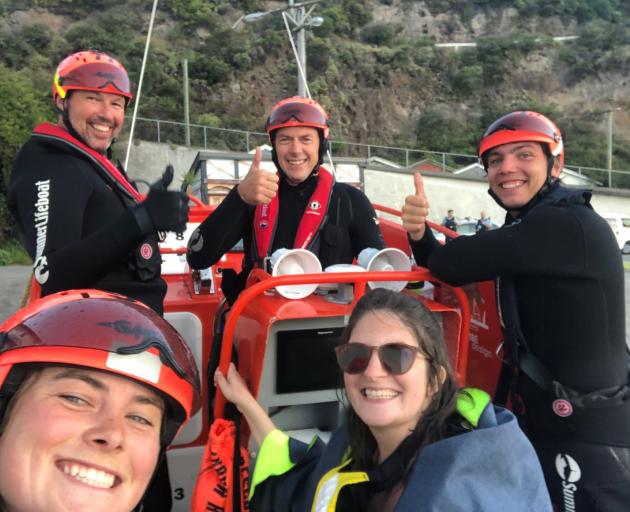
<point x="23" y="378"/>
<point x="29" y="377"/>
<point x="428" y="334"/>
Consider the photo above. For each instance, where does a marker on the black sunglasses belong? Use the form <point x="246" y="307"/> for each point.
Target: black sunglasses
<point x="395" y="358"/>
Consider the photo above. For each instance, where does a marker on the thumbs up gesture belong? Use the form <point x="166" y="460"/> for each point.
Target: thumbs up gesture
<point x="167" y="209"/>
<point x="259" y="186"/>
<point x="415" y="210"/>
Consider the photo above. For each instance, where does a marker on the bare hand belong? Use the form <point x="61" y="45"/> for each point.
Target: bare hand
<point x="259" y="186"/>
<point x="415" y="210"/>
<point x="235" y="390"/>
<point x="233" y="387"/>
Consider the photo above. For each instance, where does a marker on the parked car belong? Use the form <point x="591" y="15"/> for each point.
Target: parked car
<point x="465" y="226"/>
<point x="620" y="224"/>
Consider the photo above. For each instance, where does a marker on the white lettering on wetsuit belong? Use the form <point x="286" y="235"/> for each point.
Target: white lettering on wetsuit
<point x="570" y="472"/>
<point x="40" y="217"/>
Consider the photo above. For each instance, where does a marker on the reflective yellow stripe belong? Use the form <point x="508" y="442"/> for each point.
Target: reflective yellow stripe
<point x="471" y="402"/>
<point x="273" y="458"/>
<point x="330" y="486"/>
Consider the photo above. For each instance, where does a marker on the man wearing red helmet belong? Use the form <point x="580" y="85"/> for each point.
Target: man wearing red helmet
<point x="76" y="213"/>
<point x="561" y="294"/>
<point x="93" y="388"/>
<point x="300" y="207"/>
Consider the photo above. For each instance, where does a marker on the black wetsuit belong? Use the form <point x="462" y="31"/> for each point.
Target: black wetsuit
<point x="561" y="260"/>
<point x="350" y="227"/>
<point x="78" y="226"/>
<point x="450" y="223"/>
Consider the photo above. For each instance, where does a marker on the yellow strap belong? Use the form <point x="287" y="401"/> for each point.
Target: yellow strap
<point x="330" y="486"/>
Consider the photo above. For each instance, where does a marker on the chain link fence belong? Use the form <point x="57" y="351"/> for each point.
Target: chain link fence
<point x="227" y="139"/>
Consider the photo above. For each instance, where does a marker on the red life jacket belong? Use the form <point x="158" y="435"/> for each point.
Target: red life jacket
<point x="266" y="217"/>
<point x="107" y="168"/>
<point x="145" y="259"/>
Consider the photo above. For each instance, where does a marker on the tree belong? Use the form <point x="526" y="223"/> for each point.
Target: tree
<point x="21" y="108"/>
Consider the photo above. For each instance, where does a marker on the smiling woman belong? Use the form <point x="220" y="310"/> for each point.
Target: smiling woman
<point x="76" y="435"/>
<point x="88" y="405"/>
<point x="411" y="436"/>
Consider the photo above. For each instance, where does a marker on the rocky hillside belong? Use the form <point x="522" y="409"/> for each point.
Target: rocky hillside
<point x="373" y="64"/>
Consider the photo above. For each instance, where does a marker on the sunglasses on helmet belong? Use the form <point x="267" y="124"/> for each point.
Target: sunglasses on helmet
<point x="526" y="122"/>
<point x="97" y="75"/>
<point x="395" y="358"/>
<point x="301" y="112"/>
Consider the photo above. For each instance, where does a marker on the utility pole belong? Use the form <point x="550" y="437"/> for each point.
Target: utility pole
<point x="301" y="48"/>
<point x="610" y="139"/>
<point x="186" y="105"/>
<point x="300" y="18"/>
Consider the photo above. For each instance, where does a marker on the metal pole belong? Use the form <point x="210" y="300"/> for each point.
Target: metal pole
<point x="301" y="44"/>
<point x="186" y="105"/>
<point x="610" y="142"/>
<point x="301" y="48"/>
<point x="137" y="98"/>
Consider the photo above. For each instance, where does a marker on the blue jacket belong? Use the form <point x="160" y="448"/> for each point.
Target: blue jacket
<point x="490" y="468"/>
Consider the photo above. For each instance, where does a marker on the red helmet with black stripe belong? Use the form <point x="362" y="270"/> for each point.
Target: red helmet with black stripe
<point x="108" y="332"/>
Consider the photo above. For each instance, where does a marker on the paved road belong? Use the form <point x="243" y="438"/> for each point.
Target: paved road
<point x="13" y="279"/>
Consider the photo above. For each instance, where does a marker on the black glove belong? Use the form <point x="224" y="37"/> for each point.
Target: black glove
<point x="163" y="210"/>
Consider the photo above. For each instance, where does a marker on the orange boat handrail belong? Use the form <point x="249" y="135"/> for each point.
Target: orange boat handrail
<point x="360" y="280"/>
<point x="170" y="250"/>
<point x="387" y="209"/>
<point x="378" y="207"/>
<point x="197" y="201"/>
<point x="397" y="213"/>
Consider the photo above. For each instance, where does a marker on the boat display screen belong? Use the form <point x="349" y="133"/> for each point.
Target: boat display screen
<point x="305" y="360"/>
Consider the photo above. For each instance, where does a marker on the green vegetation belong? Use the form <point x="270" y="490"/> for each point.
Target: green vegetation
<point x="12" y="253"/>
<point x="21" y="108"/>
<point x="582" y="10"/>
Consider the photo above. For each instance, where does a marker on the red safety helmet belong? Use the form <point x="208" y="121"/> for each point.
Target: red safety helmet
<point x="91" y="70"/>
<point x="108" y="332"/>
<point x="298" y="111"/>
<point x="523" y="126"/>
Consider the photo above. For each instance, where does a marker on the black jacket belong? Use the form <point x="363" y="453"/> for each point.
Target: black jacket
<point x="351" y="226"/>
<point x="569" y="281"/>
<point x="78" y="228"/>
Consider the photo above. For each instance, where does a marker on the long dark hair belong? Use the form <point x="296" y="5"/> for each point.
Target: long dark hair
<point x="433" y="424"/>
